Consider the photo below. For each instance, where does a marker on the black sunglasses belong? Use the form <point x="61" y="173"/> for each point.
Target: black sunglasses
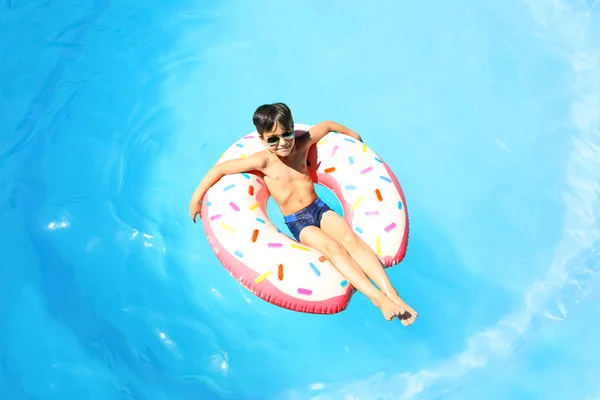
<point x="273" y="140"/>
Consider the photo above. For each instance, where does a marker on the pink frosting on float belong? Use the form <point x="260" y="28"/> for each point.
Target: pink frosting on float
<point x="265" y="289"/>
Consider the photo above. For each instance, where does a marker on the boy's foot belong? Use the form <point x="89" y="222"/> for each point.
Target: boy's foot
<point x="388" y="308"/>
<point x="407" y="315"/>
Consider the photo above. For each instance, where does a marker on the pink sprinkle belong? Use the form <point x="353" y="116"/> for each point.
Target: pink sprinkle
<point x="248" y="137"/>
<point x="390" y="227"/>
<point x="215" y="217"/>
<point x="372" y="213"/>
<point x="234" y="206"/>
<point x="260" y="182"/>
<point x="272" y="245"/>
<point x="334" y="150"/>
<point x="364" y="171"/>
<point x="304" y="291"/>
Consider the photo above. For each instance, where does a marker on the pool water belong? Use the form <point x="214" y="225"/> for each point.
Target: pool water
<point x="111" y="112"/>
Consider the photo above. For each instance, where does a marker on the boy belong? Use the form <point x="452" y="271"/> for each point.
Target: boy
<point x="310" y="220"/>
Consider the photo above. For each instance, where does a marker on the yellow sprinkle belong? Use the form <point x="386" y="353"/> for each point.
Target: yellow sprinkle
<point x="227" y="227"/>
<point x="378" y="246"/>
<point x="264" y="276"/>
<point x="243" y="155"/>
<point x="357" y="202"/>
<point x="254" y="206"/>
<point x="364" y="148"/>
<point x="300" y="247"/>
<point x="322" y="142"/>
<point x="222" y="156"/>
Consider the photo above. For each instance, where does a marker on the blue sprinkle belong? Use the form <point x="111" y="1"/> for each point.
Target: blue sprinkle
<point x="229" y="187"/>
<point x="239" y="145"/>
<point x="239" y="254"/>
<point x="350" y="187"/>
<point x="336" y="133"/>
<point x="278" y="231"/>
<point x="262" y="221"/>
<point x="347" y="139"/>
<point x="315" y="269"/>
<point x="208" y="204"/>
<point x="378" y="160"/>
<point x="245" y="175"/>
<point x="385" y="178"/>
<point x="344" y="283"/>
<point x="351" y="160"/>
<point x="357" y="229"/>
<point x="399" y="205"/>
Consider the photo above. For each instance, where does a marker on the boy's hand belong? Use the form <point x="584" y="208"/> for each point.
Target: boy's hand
<point x="195" y="207"/>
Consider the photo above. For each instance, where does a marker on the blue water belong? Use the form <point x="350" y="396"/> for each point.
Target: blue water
<point x="111" y="112"/>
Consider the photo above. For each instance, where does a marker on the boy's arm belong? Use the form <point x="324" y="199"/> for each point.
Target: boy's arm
<point x="256" y="162"/>
<point x="321" y="129"/>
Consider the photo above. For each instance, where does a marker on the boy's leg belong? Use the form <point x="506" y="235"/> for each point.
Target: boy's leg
<point x="335" y="226"/>
<point x="337" y="254"/>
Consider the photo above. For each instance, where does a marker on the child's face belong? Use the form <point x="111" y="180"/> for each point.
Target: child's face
<point x="279" y="141"/>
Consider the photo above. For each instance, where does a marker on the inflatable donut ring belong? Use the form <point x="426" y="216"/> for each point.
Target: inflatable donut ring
<point x="274" y="266"/>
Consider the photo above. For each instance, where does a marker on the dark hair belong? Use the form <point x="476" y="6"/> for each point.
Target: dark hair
<point x="268" y="116"/>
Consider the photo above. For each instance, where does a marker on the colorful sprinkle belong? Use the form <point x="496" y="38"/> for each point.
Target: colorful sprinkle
<point x="378" y="160"/>
<point x="239" y="145"/>
<point x="315" y="269"/>
<point x="295" y="246"/>
<point x="208" y="204"/>
<point x="262" y="221"/>
<point x="357" y="229"/>
<point x="372" y="213"/>
<point x="364" y="171"/>
<point x="350" y="187"/>
<point x="245" y="175"/>
<point x="344" y="283"/>
<point x="378" y="194"/>
<point x="351" y="159"/>
<point x="254" y="206"/>
<point x="364" y="148"/>
<point x="248" y="137"/>
<point x="260" y="182"/>
<point x="274" y="245"/>
<point x="347" y="139"/>
<point x="215" y="217"/>
<point x="307" y="292"/>
<point x="385" y="178"/>
<point x="357" y="202"/>
<point x="239" y="254"/>
<point x="322" y="142"/>
<point x="226" y="188"/>
<point x="254" y="235"/>
<point x="378" y="246"/>
<point x="234" y="206"/>
<point x="390" y="227"/>
<point x="322" y="259"/>
<point x="243" y="155"/>
<point x="280" y="272"/>
<point x="329" y="170"/>
<point x="251" y="190"/>
<point x="262" y="277"/>
<point x="227" y="227"/>
<point x="335" y="148"/>
<point x="399" y="205"/>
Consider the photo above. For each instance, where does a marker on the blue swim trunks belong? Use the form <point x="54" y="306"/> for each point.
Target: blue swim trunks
<point x="309" y="216"/>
